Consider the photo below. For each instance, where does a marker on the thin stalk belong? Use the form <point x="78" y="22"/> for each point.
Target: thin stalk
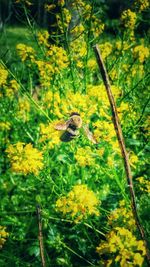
<point x="75" y="253"/>
<point x="40" y="237"/>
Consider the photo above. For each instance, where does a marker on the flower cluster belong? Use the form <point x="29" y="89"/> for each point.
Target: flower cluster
<point x="79" y="203"/>
<point x="5" y="126"/>
<point x="79" y="50"/>
<point x="128" y="17"/>
<point x="24" y="158"/>
<point x="123" y="247"/>
<point x="144" y="184"/>
<point x="43" y="38"/>
<point x="58" y="57"/>
<point x="57" y="60"/>
<point x="84" y="156"/>
<point x="122" y="216"/>
<point x="3" y="235"/>
<point x="3" y="76"/>
<point x="106" y="49"/>
<point x="104" y="130"/>
<point x="46" y="72"/>
<point x="25" y="52"/>
<point x="97" y="26"/>
<point x="142" y="4"/>
<point x="141" y="53"/>
<point x="50" y="135"/>
<point x="12" y="88"/>
<point x="133" y="159"/>
<point x="23" y="109"/>
<point x="63" y="19"/>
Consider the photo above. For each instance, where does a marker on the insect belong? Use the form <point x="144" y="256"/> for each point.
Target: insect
<point x="71" y="128"/>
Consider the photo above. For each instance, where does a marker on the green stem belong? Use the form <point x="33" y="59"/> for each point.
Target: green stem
<point x="75" y="253"/>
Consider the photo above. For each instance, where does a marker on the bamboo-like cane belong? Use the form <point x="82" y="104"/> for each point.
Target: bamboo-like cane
<point x="119" y="134"/>
<point x="40" y="237"/>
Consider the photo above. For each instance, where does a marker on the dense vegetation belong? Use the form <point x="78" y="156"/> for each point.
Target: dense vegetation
<point x="78" y="187"/>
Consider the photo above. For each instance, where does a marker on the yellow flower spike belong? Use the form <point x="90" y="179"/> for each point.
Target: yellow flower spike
<point x="123" y="247"/>
<point x="25" y="52"/>
<point x="5" y="126"/>
<point x="144" y="184"/>
<point x="3" y="76"/>
<point x="24" y="158"/>
<point x="122" y="215"/>
<point x="133" y="159"/>
<point x="141" y="4"/>
<point x="79" y="203"/>
<point x="48" y="133"/>
<point x="129" y="19"/>
<point x="106" y="49"/>
<point x="43" y="38"/>
<point x="141" y="53"/>
<point x="3" y="236"/>
<point x="84" y="157"/>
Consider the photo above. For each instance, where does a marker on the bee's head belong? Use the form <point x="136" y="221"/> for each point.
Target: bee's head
<point x="76" y="120"/>
<point x="74" y="113"/>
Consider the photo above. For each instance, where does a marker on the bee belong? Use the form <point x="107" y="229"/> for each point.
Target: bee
<point x="71" y="128"/>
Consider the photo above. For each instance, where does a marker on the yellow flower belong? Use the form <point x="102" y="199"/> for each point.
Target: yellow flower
<point x="142" y="4"/>
<point x="129" y="19"/>
<point x="3" y="76"/>
<point x="79" y="203"/>
<point x="12" y="88"/>
<point x="133" y="159"/>
<point x="124" y="107"/>
<point x="104" y="130"/>
<point x="141" y="53"/>
<point x="92" y="64"/>
<point x="106" y="49"/>
<point x="145" y="184"/>
<point x="5" y="126"/>
<point x="64" y="19"/>
<point x="61" y="2"/>
<point x="25" y="52"/>
<point x="78" y="29"/>
<point x="49" y="8"/>
<point x="23" y="109"/>
<point x="58" y="57"/>
<point x="84" y="156"/>
<point x="46" y="71"/>
<point x="123" y="247"/>
<point x="3" y="235"/>
<point x="78" y="48"/>
<point x="24" y="158"/>
<point x="43" y="38"/>
<point x="123" y="216"/>
<point x="49" y="134"/>
<point x="97" y="27"/>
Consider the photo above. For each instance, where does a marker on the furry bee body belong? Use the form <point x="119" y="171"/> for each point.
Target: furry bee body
<point x="71" y="128"/>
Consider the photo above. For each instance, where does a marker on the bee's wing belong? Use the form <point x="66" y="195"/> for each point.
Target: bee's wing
<point x="89" y="134"/>
<point x="62" y="126"/>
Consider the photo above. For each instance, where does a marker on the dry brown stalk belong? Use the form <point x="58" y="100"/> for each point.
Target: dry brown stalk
<point x="119" y="134"/>
<point x="40" y="237"/>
